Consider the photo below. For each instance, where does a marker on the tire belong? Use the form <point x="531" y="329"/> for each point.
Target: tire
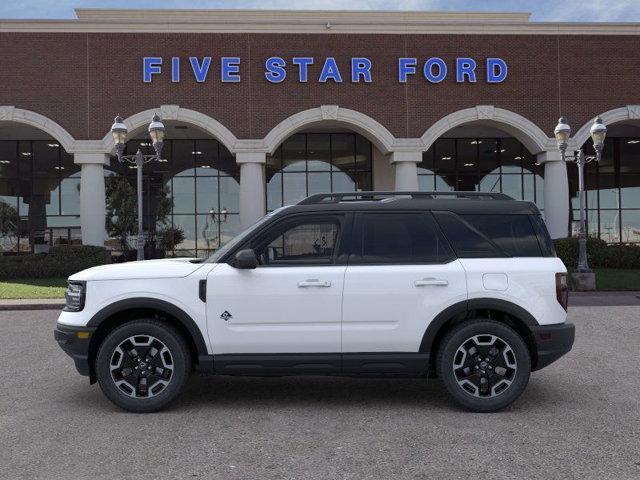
<point x="461" y="368"/>
<point x="148" y="346"/>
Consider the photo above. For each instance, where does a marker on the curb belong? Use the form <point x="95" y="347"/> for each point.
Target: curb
<point x="7" y="307"/>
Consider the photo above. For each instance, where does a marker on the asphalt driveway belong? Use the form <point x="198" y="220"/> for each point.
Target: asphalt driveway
<point x="579" y="418"/>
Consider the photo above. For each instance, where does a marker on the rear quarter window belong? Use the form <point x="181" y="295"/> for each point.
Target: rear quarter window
<point x="467" y="240"/>
<point x="514" y="234"/>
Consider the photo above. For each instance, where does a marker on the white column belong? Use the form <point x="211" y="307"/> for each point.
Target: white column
<point x="556" y="194"/>
<point x="92" y="198"/>
<point x="406" y="166"/>
<point x="252" y="187"/>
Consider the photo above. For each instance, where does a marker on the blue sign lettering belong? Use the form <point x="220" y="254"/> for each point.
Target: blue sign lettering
<point x="303" y="67"/>
<point x="230" y="69"/>
<point x="360" y="67"/>
<point x="406" y="66"/>
<point x="276" y="72"/>
<point x="434" y="69"/>
<point x="200" y="71"/>
<point x="428" y="70"/>
<point x="175" y="69"/>
<point x="150" y="66"/>
<point x="330" y="71"/>
<point x="465" y="67"/>
<point x="496" y="70"/>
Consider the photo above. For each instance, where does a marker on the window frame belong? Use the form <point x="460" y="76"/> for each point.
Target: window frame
<point x="270" y="232"/>
<point x="357" y="240"/>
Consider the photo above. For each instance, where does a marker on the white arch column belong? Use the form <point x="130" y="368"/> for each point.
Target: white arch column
<point x="556" y="193"/>
<point x="252" y="187"/>
<point x="92" y="197"/>
<point x="406" y="167"/>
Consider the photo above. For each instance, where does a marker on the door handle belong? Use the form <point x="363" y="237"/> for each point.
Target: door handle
<point x="431" y="281"/>
<point x="314" y="283"/>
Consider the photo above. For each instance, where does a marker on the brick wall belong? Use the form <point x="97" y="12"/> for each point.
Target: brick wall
<point x="81" y="80"/>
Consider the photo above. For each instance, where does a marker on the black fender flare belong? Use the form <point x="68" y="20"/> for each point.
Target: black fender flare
<point x="462" y="308"/>
<point x="153" y="303"/>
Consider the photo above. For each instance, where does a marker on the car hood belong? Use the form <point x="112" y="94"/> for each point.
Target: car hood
<point x="165" y="268"/>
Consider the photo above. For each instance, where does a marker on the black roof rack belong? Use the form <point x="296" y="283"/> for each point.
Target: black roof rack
<point x="377" y="196"/>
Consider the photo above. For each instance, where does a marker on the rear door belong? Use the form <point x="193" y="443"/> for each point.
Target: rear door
<point x="401" y="274"/>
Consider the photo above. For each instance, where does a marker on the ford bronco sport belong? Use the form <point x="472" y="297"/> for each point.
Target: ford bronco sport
<point x="460" y="285"/>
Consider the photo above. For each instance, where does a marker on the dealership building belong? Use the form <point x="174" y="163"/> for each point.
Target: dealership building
<point x="263" y="108"/>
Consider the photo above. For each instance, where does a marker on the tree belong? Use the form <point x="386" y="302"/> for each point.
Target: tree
<point x="9" y="222"/>
<point x="122" y="210"/>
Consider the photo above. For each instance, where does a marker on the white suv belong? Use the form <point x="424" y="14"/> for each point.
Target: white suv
<point x="462" y="286"/>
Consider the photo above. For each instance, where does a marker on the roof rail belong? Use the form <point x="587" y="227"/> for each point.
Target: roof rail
<point x="377" y="196"/>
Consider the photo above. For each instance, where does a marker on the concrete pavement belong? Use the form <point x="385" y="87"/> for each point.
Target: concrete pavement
<point x="579" y="418"/>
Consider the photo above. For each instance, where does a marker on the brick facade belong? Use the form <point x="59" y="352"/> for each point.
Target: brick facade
<point x="81" y="80"/>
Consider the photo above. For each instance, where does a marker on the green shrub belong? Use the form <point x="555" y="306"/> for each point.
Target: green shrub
<point x="61" y="261"/>
<point x="599" y="254"/>
<point x="567" y="250"/>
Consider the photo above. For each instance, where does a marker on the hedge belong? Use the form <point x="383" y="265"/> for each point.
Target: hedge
<point x="61" y="261"/>
<point x="599" y="254"/>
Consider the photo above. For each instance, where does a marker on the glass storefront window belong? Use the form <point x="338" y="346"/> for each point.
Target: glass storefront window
<point x="481" y="164"/>
<point x="308" y="163"/>
<point x="612" y="191"/>
<point x="39" y="196"/>
<point x="195" y="190"/>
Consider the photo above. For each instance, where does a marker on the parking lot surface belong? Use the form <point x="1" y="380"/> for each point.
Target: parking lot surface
<point x="579" y="418"/>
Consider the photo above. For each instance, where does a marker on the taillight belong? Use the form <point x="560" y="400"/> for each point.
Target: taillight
<point x="562" y="289"/>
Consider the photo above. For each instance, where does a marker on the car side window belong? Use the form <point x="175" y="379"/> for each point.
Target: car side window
<point x="310" y="242"/>
<point x="467" y="241"/>
<point x="513" y="233"/>
<point x="397" y="238"/>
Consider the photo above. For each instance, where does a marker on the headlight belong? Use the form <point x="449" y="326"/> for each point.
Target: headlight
<point x="74" y="296"/>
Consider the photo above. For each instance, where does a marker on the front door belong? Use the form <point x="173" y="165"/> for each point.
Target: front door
<point x="291" y="303"/>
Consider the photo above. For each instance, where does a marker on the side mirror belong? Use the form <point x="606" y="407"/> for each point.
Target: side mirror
<point x="246" y="259"/>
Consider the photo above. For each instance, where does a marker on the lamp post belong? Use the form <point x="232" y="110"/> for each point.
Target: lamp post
<point x="562" y="133"/>
<point x="156" y="132"/>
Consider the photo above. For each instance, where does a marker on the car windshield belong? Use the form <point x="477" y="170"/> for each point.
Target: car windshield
<point x="238" y="239"/>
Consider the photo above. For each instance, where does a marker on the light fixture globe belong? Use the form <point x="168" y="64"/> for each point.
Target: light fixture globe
<point x="119" y="131"/>
<point x="156" y="129"/>
<point x="562" y="133"/>
<point x="598" y="133"/>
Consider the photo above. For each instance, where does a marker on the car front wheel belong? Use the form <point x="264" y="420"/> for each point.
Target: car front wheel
<point x="484" y="365"/>
<point x="143" y="365"/>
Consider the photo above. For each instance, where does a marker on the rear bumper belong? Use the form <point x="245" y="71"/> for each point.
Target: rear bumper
<point x="552" y="342"/>
<point x="75" y="343"/>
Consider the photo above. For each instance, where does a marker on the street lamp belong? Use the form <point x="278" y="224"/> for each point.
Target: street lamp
<point x="156" y="132"/>
<point x="562" y="133"/>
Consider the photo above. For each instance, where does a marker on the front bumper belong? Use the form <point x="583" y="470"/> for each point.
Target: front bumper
<point x="552" y="342"/>
<point x="75" y="343"/>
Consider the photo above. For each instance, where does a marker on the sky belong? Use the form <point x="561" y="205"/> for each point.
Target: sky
<point x="542" y="10"/>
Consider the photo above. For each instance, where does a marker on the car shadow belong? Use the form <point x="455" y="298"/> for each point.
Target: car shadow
<point x="251" y="393"/>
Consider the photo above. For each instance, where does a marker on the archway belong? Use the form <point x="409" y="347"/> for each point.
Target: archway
<point x="482" y="155"/>
<point x="138" y="123"/>
<point x="190" y="196"/>
<point x="325" y="149"/>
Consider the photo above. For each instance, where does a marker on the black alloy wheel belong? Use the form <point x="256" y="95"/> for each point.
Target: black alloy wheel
<point x="483" y="364"/>
<point x="143" y="365"/>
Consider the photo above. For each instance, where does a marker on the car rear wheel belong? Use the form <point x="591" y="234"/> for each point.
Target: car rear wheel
<point x="143" y="365"/>
<point x="484" y="365"/>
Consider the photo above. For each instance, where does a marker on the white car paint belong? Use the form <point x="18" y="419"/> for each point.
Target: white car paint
<point x="360" y="309"/>
<point x="275" y="309"/>
<point x="531" y="284"/>
<point x="387" y="308"/>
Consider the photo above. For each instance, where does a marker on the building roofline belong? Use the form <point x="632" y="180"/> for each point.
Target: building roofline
<point x="310" y="21"/>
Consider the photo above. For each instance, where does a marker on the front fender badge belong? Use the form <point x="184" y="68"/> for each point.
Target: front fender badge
<point x="226" y="316"/>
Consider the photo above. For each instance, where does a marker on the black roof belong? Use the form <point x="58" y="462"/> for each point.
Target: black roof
<point x="457" y="202"/>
